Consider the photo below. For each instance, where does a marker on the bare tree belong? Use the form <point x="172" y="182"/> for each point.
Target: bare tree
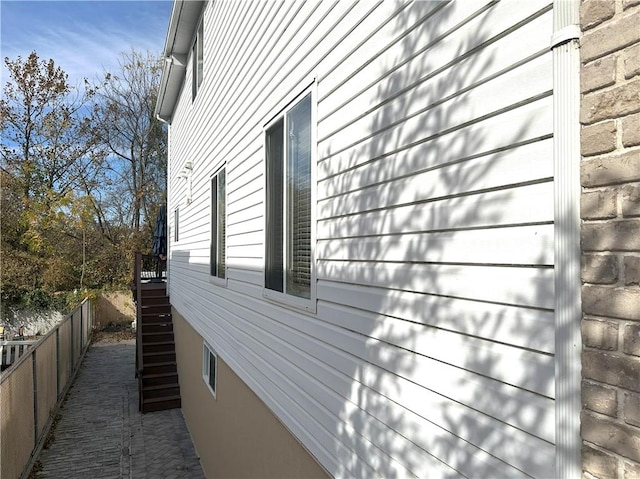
<point x="135" y="139"/>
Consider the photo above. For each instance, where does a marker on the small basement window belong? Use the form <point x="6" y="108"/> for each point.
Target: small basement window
<point x="209" y="367"/>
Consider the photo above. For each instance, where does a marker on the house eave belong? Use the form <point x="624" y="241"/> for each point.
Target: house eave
<point x="185" y="16"/>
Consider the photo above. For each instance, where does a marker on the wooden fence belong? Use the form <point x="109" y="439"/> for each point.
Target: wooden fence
<point x="32" y="389"/>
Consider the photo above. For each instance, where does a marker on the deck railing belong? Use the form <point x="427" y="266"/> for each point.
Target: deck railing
<point x="33" y="387"/>
<point x="149" y="268"/>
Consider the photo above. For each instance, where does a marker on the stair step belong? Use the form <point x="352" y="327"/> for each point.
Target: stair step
<point x="169" y="367"/>
<point x="168" y="342"/>
<point x="154" y="293"/>
<point x="156" y="317"/>
<point x="159" y="327"/>
<point x="159" y="357"/>
<point x="159" y="387"/>
<point x="160" y="404"/>
<point x="154" y="288"/>
<point x="155" y="297"/>
<point x="157" y="321"/>
<point x="159" y="379"/>
<point x="153" y="338"/>
<point x="161" y="324"/>
<point x="149" y="300"/>
<point x="163" y="309"/>
<point x="160" y="391"/>
<point x="150" y="400"/>
<point x="155" y="354"/>
<point x="152" y="303"/>
<point x="159" y="347"/>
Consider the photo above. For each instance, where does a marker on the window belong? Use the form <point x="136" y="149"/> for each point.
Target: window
<point x="218" y="224"/>
<point x="288" y="142"/>
<point x="209" y="367"/>
<point x="197" y="59"/>
<point x="175" y="224"/>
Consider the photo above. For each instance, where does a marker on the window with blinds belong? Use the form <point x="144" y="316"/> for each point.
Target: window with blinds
<point x="176" y="222"/>
<point x="197" y="59"/>
<point x="288" y="208"/>
<point x="218" y="224"/>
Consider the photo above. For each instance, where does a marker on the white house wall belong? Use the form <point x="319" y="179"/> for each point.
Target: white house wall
<point x="431" y="353"/>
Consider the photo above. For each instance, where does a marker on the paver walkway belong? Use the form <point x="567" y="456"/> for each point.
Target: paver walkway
<point x="102" y="435"/>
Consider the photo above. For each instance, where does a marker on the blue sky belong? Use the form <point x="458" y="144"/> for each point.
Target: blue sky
<point x="83" y="37"/>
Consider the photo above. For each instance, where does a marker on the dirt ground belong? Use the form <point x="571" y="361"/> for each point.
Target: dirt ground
<point x="114" y="333"/>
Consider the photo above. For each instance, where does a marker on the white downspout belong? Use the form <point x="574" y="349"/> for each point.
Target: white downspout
<point x="169" y="208"/>
<point x="568" y="308"/>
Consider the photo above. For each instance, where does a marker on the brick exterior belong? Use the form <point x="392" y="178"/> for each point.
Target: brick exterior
<point x="610" y="211"/>
<point x="599" y="269"/>
<point x="631" y="200"/>
<point x="631" y="127"/>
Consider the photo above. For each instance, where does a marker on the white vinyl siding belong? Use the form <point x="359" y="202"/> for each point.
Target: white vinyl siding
<point x="431" y="349"/>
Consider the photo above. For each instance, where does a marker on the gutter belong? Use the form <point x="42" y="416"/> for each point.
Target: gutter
<point x="185" y="16"/>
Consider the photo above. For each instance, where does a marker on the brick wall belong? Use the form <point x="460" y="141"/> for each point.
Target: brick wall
<point x="610" y="210"/>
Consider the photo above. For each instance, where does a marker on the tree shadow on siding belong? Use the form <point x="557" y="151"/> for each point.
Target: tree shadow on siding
<point x="449" y="374"/>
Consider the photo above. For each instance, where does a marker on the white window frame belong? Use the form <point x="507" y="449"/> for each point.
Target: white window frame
<point x="207" y="352"/>
<point x="176" y="224"/>
<point x="197" y="57"/>
<point x="282" y="298"/>
<point x="217" y="280"/>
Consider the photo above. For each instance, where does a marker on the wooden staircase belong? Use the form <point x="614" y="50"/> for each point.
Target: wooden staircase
<point x="156" y="366"/>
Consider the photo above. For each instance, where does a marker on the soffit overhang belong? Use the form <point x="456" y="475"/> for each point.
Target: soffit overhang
<point x="185" y="17"/>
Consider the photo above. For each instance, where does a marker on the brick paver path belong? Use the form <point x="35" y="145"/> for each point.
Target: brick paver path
<point x="102" y="435"/>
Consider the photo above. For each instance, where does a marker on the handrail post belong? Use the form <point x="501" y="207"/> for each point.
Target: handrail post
<point x="81" y="327"/>
<point x="138" y="292"/>
<point x="71" y="352"/>
<point x="34" y="365"/>
<point x="57" y="362"/>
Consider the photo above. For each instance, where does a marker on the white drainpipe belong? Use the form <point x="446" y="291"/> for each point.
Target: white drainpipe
<point x="566" y="87"/>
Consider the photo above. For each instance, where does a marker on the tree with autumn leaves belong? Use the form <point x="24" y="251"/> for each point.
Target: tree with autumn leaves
<point x="70" y="214"/>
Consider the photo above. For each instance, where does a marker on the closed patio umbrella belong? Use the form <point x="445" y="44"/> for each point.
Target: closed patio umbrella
<point x="160" y="234"/>
<point x="160" y="241"/>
